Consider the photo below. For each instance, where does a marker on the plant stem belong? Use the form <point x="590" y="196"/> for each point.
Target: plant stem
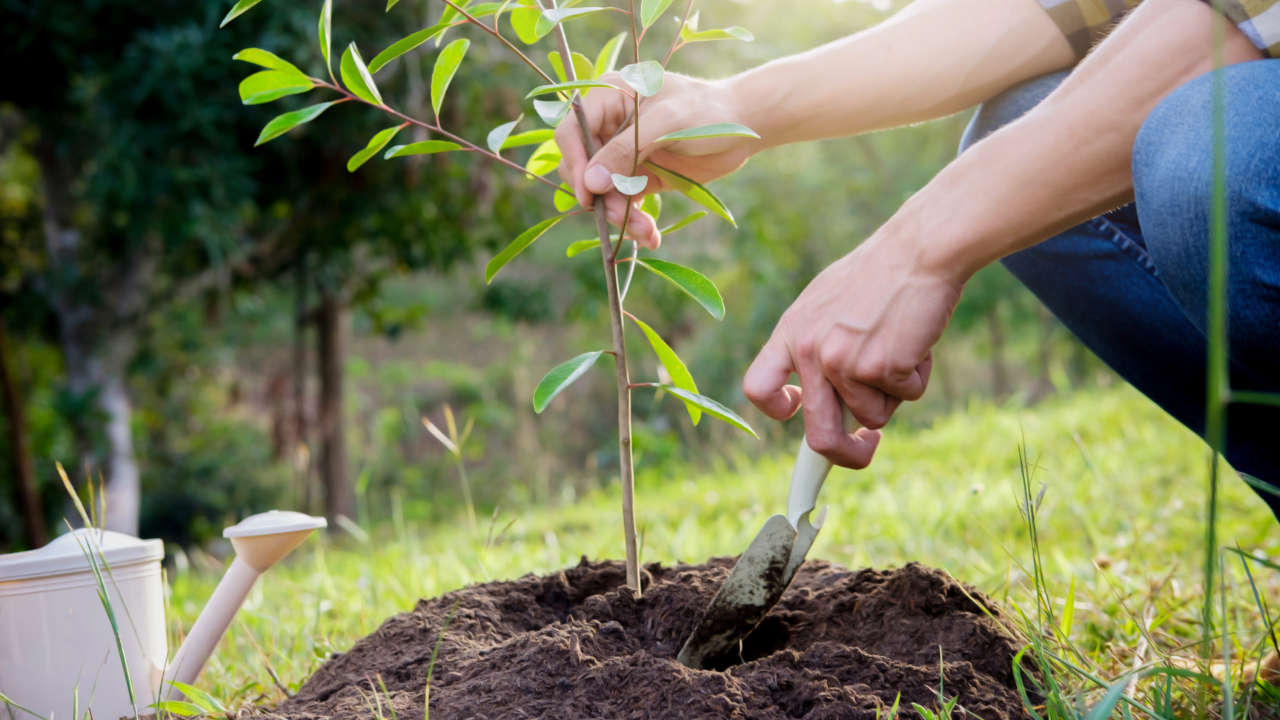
<point x="626" y="470"/>
<point x="494" y="32"/>
<point x="675" y="41"/>
<point x="466" y="491"/>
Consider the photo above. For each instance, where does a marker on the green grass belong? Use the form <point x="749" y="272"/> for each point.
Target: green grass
<point x="1122" y="521"/>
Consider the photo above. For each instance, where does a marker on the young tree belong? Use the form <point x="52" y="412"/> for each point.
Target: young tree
<point x="575" y="74"/>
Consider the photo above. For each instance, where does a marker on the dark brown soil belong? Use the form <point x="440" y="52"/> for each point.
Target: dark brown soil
<point x="576" y="644"/>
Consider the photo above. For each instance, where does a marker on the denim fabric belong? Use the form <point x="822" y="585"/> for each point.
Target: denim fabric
<point x="1131" y="284"/>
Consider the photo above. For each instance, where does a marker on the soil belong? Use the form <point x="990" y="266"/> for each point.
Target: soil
<point x="576" y="644"/>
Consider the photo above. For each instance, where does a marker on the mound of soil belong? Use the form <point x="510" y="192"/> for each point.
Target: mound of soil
<point x="576" y="644"/>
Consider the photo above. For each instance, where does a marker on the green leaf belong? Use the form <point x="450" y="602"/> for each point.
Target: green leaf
<point x="692" y="190"/>
<point x="651" y="10"/>
<point x="550" y="18"/>
<point x="652" y="204"/>
<point x="378" y="142"/>
<point x="692" y="282"/>
<point x="710" y="131"/>
<point x="710" y="407"/>
<point x="356" y="76"/>
<point x="561" y="377"/>
<point x="680" y="376"/>
<point x="179" y="708"/>
<point x="267" y="85"/>
<point x="608" y="56"/>
<point x="517" y="246"/>
<point x="567" y="87"/>
<point x="729" y="33"/>
<point x="289" y="121"/>
<point x="426" y="147"/>
<point x="552" y="112"/>
<point x="582" y="68"/>
<point x="630" y="185"/>
<point x="528" y="137"/>
<point x="582" y="246"/>
<point x="268" y="60"/>
<point x="684" y="222"/>
<point x="326" y="31"/>
<point x="564" y="199"/>
<point x="525" y="22"/>
<point x="1069" y="611"/>
<point x="498" y="136"/>
<point x="544" y="159"/>
<point x="201" y="698"/>
<point x="446" y="65"/>
<point x="644" y="77"/>
<point x="399" y="48"/>
<point x="238" y="10"/>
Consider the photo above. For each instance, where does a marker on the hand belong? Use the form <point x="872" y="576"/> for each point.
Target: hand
<point x="860" y="334"/>
<point x="682" y="103"/>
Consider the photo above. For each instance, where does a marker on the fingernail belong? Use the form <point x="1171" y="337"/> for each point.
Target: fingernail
<point x="598" y="179"/>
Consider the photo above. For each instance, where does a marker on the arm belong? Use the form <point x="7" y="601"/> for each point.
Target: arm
<point x="863" y="330"/>
<point x="935" y="58"/>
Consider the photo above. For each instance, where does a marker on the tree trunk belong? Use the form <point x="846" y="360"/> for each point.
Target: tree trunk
<point x="301" y="438"/>
<point x="999" y="375"/>
<point x="33" y="526"/>
<point x="1044" y="382"/>
<point x="124" y="485"/>
<point x="339" y="496"/>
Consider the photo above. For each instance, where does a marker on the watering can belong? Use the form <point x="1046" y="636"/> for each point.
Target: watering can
<point x="58" y="652"/>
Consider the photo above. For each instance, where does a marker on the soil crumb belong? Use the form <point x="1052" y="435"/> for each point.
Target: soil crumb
<point x="842" y="644"/>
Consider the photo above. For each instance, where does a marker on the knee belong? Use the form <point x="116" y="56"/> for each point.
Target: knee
<point x="1009" y="106"/>
<point x="1173" y="152"/>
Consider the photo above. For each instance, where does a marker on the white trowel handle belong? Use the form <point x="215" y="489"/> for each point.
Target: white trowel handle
<point x="806" y="480"/>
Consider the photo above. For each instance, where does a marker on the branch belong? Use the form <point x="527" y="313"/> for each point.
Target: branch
<point x="470" y="146"/>
<point x="494" y="32"/>
<point x="675" y="41"/>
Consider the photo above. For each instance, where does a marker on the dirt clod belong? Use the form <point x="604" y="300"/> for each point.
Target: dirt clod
<point x="575" y="644"/>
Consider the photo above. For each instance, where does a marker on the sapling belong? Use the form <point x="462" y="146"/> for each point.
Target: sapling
<point x="556" y="93"/>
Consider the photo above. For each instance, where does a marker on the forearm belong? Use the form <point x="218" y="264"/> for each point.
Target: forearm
<point x="1069" y="159"/>
<point x="935" y="58"/>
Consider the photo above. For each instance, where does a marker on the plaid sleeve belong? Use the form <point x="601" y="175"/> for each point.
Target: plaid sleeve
<point x="1259" y="20"/>
<point x="1086" y="22"/>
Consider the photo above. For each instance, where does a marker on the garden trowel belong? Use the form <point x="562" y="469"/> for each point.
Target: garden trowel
<point x="763" y="572"/>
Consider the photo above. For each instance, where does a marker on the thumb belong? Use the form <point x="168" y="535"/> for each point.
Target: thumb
<point x="617" y="156"/>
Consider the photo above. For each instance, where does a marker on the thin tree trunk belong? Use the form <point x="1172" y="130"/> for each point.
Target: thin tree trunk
<point x="302" y="440"/>
<point x="124" y="484"/>
<point x="33" y="526"/>
<point x="999" y="375"/>
<point x="1044" y="383"/>
<point x="626" y="467"/>
<point x="339" y="496"/>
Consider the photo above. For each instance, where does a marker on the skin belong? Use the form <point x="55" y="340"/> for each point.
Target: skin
<point x="861" y="334"/>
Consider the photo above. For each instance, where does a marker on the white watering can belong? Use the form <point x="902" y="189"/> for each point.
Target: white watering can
<point x="56" y="644"/>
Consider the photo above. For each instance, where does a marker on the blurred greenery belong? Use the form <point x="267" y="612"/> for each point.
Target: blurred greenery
<point x="211" y="374"/>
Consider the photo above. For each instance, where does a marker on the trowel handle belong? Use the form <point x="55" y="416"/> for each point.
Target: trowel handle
<point x="810" y="473"/>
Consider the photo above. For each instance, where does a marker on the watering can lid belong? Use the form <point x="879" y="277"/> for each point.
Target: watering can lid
<point x="274" y="522"/>
<point x="66" y="554"/>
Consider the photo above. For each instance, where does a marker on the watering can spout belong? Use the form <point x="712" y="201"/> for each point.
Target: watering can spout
<point x="260" y="541"/>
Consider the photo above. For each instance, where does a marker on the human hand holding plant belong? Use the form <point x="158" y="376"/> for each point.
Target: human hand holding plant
<point x="681" y="103"/>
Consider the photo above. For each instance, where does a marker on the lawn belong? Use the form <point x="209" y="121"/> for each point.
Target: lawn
<point x="1121" y="521"/>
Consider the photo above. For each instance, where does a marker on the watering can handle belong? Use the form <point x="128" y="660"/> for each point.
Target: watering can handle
<point x="810" y="473"/>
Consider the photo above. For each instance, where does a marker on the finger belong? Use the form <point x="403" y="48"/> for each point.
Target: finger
<point x="862" y="389"/>
<point x="605" y="112"/>
<point x="765" y="383"/>
<point x="641" y="226"/>
<point x="619" y="154"/>
<point x="871" y="407"/>
<point x="824" y="424"/>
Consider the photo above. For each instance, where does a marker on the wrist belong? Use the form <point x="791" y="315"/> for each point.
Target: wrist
<point x="939" y="242"/>
<point x="754" y="103"/>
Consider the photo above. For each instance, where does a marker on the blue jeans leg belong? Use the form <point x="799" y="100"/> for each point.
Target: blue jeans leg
<point x="1131" y="283"/>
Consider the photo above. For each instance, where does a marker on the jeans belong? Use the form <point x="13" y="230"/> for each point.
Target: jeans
<point x="1132" y="284"/>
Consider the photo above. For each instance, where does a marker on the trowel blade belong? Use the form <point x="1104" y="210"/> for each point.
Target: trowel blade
<point x="806" y="533"/>
<point x="751" y="590"/>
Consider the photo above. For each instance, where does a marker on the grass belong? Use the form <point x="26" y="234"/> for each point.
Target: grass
<point x="1120" y="532"/>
